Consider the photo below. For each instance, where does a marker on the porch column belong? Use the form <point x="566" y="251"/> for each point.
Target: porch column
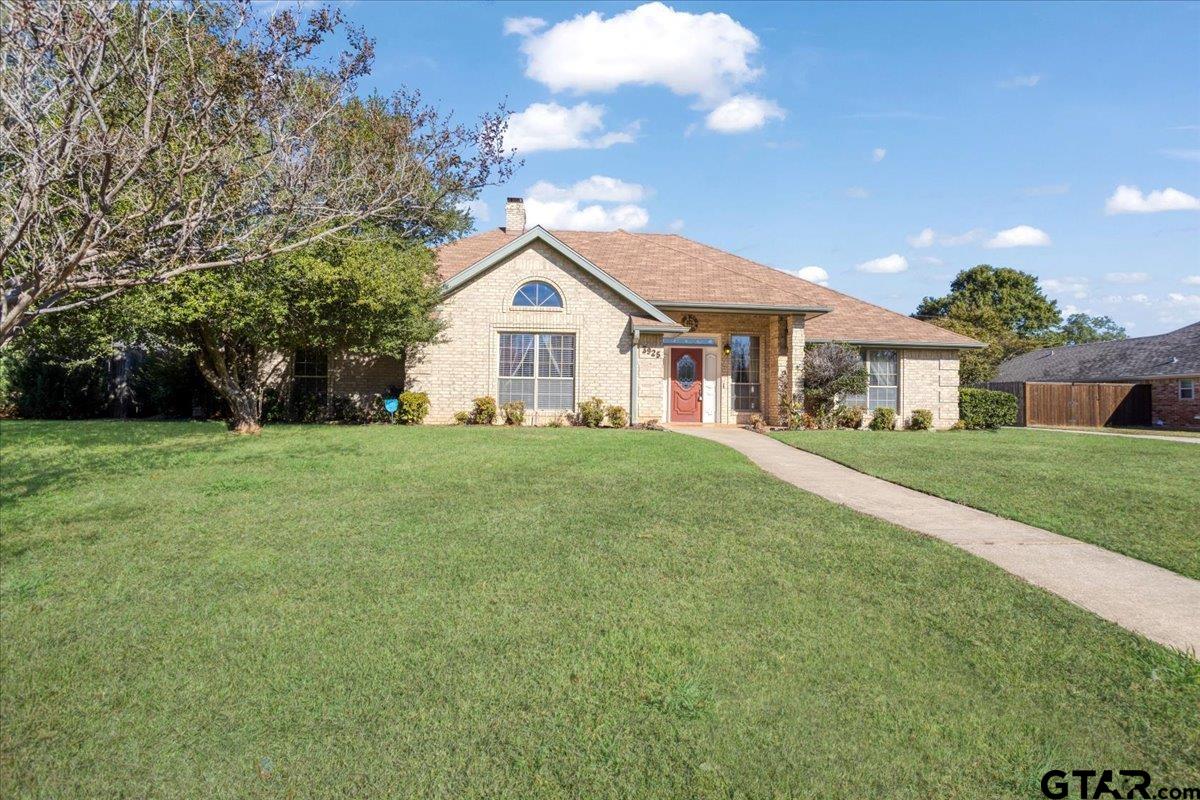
<point x="795" y="356"/>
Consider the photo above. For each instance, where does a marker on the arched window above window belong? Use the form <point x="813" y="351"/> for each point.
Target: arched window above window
<point x="537" y="294"/>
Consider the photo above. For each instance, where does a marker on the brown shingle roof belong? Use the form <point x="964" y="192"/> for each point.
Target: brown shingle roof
<point x="665" y="268"/>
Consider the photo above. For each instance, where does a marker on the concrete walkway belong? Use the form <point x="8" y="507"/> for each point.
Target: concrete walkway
<point x="1150" y="600"/>
<point x="1129" y="435"/>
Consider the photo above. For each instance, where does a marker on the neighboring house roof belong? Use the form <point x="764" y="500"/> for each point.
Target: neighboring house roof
<point x="1166" y="355"/>
<point x="670" y="271"/>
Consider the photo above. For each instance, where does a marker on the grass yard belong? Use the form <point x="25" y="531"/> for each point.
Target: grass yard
<point x="1134" y="496"/>
<point x="456" y="612"/>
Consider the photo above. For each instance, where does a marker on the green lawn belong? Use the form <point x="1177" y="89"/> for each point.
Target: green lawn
<point x="456" y="612"/>
<point x="1135" y="496"/>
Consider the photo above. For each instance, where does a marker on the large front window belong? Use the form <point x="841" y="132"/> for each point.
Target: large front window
<point x="883" y="381"/>
<point x="744" y="355"/>
<point x="538" y="369"/>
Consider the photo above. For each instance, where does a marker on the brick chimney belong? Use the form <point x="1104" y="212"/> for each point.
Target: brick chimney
<point x="514" y="215"/>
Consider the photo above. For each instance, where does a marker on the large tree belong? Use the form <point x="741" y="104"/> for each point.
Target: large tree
<point x="148" y="139"/>
<point x="1014" y="297"/>
<point x="1003" y="308"/>
<point x="372" y="295"/>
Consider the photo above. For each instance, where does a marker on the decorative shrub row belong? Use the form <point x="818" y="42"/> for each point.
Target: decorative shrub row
<point x="411" y="409"/>
<point x="984" y="408"/>
<point x="592" y="414"/>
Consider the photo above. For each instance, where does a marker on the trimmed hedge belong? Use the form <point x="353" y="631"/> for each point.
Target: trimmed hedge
<point x="884" y="419"/>
<point x="921" y="420"/>
<point x="414" y="407"/>
<point x="986" y="409"/>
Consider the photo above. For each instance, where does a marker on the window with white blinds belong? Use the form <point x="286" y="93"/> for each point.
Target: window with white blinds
<point x="538" y="369"/>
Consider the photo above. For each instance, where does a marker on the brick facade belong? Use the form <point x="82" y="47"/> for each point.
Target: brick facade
<point x="463" y="364"/>
<point x="929" y="380"/>
<point x="1169" y="409"/>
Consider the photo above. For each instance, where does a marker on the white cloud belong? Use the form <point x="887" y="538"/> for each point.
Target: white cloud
<point x="1179" y="300"/>
<point x="887" y="264"/>
<point x="1127" y="277"/>
<point x="523" y="26"/>
<point x="549" y="126"/>
<point x="478" y="210"/>
<point x="814" y="274"/>
<point x="1020" y="82"/>
<point x="676" y="226"/>
<point x="934" y="260"/>
<point x="564" y="206"/>
<point x="928" y="237"/>
<point x="743" y="112"/>
<point x="968" y="237"/>
<point x="706" y="56"/>
<point x="857" y="192"/>
<point x="923" y="239"/>
<point x="1130" y="200"/>
<point x="597" y="187"/>
<point x="1136" y="299"/>
<point x="1182" y="155"/>
<point x="1020" y="236"/>
<point x="878" y="154"/>
<point x="1075" y="287"/>
<point x="1192" y="280"/>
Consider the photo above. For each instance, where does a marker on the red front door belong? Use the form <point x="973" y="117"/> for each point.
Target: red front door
<point x="686" y="383"/>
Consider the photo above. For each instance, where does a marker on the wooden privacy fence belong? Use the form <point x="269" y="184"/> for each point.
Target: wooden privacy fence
<point x="1090" y="405"/>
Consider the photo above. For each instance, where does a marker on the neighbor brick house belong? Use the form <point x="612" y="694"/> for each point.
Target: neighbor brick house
<point x="1168" y="362"/>
<point x="666" y="327"/>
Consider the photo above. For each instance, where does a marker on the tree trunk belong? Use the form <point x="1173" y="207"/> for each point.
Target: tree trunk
<point x="240" y="388"/>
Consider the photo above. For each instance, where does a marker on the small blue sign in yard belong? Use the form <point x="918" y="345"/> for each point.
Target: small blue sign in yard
<point x="391" y="404"/>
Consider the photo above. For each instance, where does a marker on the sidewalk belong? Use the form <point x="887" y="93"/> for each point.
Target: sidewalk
<point x="1150" y="600"/>
<point x="1122" y="434"/>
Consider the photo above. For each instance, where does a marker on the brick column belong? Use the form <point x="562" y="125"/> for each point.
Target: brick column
<point x="795" y="357"/>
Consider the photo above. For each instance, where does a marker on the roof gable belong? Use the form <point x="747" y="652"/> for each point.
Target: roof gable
<point x="538" y="233"/>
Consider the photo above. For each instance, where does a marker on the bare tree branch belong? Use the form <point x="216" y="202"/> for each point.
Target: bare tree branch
<point x="146" y="139"/>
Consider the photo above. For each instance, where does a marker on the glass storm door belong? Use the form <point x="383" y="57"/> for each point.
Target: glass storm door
<point x="687" y="382"/>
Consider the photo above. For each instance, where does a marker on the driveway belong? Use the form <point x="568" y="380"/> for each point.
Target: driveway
<point x="1141" y="597"/>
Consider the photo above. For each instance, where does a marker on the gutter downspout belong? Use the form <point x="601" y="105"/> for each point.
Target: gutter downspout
<point x="633" y="377"/>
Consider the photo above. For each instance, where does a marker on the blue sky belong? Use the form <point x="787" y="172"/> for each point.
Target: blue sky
<point x="889" y="145"/>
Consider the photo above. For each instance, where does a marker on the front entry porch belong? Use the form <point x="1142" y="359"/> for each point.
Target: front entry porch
<point x="725" y="370"/>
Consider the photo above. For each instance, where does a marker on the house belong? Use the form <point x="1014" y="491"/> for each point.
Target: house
<point x="1169" y="363"/>
<point x="671" y="329"/>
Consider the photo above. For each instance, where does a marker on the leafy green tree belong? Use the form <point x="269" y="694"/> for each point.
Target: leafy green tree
<point x="1002" y="307"/>
<point x="1014" y="297"/>
<point x="984" y="325"/>
<point x="1082" y="329"/>
<point x="371" y="295"/>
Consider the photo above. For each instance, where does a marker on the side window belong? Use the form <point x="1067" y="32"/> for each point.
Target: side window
<point x="1187" y="390"/>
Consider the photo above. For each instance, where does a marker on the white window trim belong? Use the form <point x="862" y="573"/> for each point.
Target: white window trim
<point x="512" y="295"/>
<point x="757" y="371"/>
<point x="866" y="360"/>
<point x="1191" y="388"/>
<point x="497" y="377"/>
